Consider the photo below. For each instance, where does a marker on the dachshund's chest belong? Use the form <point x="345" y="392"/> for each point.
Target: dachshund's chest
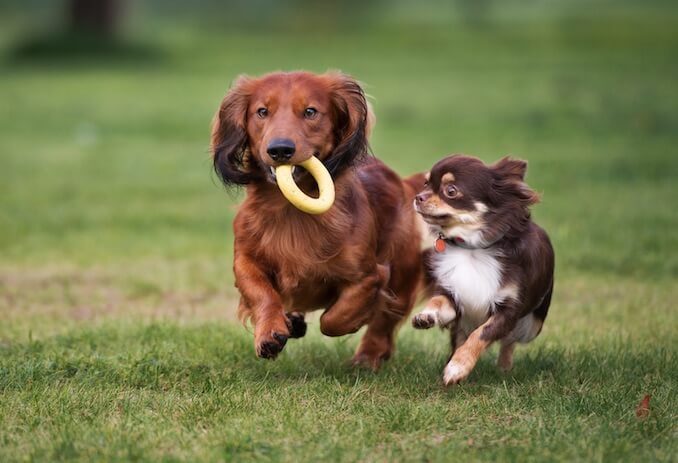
<point x="306" y="257"/>
<point x="306" y="270"/>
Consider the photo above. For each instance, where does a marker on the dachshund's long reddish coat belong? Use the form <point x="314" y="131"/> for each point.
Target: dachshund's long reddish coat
<point x="361" y="260"/>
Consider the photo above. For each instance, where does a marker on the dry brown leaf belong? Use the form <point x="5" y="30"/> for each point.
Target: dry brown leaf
<point x="643" y="409"/>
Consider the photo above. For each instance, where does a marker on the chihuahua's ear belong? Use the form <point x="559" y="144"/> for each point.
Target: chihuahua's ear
<point x="509" y="177"/>
<point x="510" y="167"/>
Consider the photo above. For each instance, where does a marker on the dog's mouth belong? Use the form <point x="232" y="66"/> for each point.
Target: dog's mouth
<point x="298" y="174"/>
<point x="270" y="174"/>
<point x="433" y="217"/>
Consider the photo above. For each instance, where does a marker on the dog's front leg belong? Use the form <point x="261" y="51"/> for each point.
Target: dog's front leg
<point x="270" y="324"/>
<point x="467" y="355"/>
<point x="439" y="310"/>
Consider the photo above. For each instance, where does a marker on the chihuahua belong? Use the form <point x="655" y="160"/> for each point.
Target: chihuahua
<point x="491" y="273"/>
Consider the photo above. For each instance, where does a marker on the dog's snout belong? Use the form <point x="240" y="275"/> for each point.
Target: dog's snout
<point x="423" y="196"/>
<point x="281" y="149"/>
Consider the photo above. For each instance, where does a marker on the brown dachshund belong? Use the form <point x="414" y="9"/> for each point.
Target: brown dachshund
<point x="360" y="261"/>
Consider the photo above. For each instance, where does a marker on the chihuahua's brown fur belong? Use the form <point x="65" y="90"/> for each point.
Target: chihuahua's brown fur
<point x="493" y="276"/>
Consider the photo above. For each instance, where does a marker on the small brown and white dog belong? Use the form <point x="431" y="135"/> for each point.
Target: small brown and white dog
<point x="492" y="272"/>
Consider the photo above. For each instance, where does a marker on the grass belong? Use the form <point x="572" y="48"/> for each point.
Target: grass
<point x="117" y="331"/>
<point x="195" y="392"/>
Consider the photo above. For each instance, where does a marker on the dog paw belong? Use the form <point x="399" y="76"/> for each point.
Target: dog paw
<point x="368" y="361"/>
<point x="504" y="364"/>
<point x="296" y="324"/>
<point x="424" y="320"/>
<point x="372" y="355"/>
<point x="505" y="359"/>
<point x="269" y="346"/>
<point x="455" y="372"/>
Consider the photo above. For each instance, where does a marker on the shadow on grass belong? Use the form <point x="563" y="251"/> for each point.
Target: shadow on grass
<point x="82" y="49"/>
<point x="215" y="357"/>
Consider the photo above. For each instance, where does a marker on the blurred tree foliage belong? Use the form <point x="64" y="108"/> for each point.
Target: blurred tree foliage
<point x="99" y="17"/>
<point x="112" y="17"/>
<point x="318" y="15"/>
<point x="75" y="29"/>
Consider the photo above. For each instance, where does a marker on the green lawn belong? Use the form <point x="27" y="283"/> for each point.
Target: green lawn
<point x="117" y="332"/>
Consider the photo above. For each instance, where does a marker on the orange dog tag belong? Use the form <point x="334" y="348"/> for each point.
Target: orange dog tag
<point x="439" y="245"/>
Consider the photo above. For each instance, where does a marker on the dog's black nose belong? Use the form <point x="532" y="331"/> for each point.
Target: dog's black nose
<point x="281" y="149"/>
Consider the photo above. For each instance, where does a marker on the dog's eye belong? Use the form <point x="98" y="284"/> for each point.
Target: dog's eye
<point x="451" y="191"/>
<point x="310" y="113"/>
<point x="262" y="112"/>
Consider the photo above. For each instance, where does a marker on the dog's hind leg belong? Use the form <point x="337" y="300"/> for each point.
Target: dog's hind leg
<point x="457" y="338"/>
<point x="354" y="307"/>
<point x="377" y="344"/>
<point x="505" y="359"/>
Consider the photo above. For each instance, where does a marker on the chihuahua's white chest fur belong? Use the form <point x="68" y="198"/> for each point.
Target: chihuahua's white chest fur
<point x="473" y="277"/>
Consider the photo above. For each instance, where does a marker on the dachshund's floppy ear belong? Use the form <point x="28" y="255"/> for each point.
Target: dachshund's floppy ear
<point x="229" y="136"/>
<point x="509" y="176"/>
<point x="353" y="120"/>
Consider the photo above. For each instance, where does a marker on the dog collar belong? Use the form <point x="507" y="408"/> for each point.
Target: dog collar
<point x="442" y="242"/>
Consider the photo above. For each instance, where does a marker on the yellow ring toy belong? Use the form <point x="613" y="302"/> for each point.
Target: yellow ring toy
<point x="298" y="198"/>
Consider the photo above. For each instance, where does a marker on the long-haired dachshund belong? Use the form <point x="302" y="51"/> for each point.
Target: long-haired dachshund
<point x="360" y="261"/>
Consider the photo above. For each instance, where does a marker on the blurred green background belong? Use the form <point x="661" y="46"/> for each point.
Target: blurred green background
<point x="104" y="145"/>
<point x="110" y="214"/>
<point x="104" y="142"/>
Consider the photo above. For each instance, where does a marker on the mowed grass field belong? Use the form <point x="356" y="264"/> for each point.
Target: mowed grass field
<point x="118" y="339"/>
